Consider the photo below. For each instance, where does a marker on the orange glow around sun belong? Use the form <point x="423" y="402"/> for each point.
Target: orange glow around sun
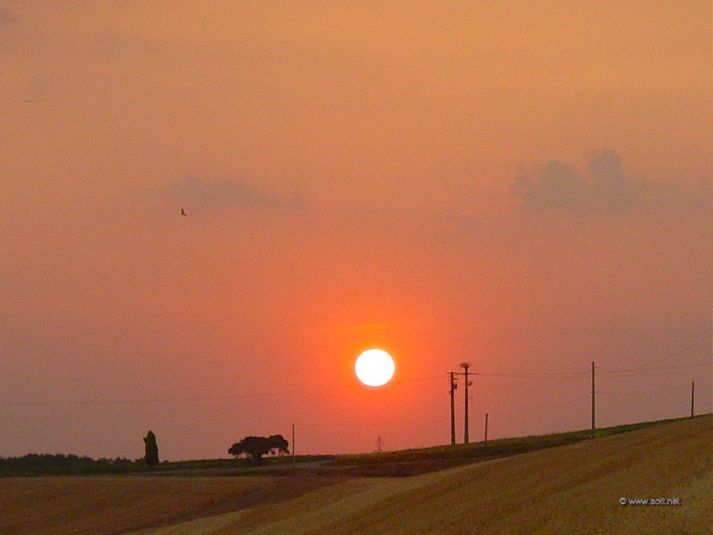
<point x="374" y="367"/>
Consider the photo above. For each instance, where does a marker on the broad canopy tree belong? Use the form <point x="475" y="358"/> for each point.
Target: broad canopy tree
<point x="256" y="447"/>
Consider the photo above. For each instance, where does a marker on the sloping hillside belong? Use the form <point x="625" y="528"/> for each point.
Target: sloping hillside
<point x="569" y="489"/>
<point x="65" y="505"/>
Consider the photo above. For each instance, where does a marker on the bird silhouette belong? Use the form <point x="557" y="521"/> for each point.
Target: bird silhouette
<point x="183" y="212"/>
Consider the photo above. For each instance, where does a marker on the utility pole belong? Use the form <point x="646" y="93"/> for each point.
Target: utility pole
<point x="485" y="439"/>
<point x="693" y="394"/>
<point x="465" y="366"/>
<point x="293" y="444"/>
<point x="593" y="421"/>
<point x="452" y="391"/>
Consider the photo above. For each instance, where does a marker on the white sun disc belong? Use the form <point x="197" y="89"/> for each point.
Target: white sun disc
<point x="374" y="367"/>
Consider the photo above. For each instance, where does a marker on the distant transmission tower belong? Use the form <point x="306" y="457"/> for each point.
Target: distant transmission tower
<point x="379" y="443"/>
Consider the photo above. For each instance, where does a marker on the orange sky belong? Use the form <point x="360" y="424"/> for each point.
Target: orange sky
<point x="526" y="185"/>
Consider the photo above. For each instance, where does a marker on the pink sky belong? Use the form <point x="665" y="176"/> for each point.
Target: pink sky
<point x="523" y="185"/>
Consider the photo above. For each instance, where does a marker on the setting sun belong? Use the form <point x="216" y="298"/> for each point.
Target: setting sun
<point x="374" y="367"/>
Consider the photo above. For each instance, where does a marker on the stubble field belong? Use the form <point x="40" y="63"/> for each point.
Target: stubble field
<point x="573" y="488"/>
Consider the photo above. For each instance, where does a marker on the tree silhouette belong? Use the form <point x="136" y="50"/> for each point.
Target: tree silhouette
<point x="256" y="447"/>
<point x="151" y="448"/>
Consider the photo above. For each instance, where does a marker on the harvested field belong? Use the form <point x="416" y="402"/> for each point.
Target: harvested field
<point x="569" y="489"/>
<point x="117" y="504"/>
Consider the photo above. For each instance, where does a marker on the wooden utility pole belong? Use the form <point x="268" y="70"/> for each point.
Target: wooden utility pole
<point x="485" y="438"/>
<point x="453" y="407"/>
<point x="293" y="444"/>
<point x="693" y="396"/>
<point x="593" y="420"/>
<point x="465" y="366"/>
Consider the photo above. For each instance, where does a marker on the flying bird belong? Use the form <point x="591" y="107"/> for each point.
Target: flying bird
<point x="183" y="212"/>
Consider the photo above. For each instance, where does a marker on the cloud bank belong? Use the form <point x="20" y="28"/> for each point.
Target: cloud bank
<point x="604" y="187"/>
<point x="7" y="16"/>
<point x="227" y="194"/>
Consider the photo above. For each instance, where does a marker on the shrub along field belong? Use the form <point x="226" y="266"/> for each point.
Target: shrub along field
<point x="559" y="483"/>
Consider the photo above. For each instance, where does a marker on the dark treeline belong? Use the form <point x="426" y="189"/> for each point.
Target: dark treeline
<point x="35" y="464"/>
<point x="59" y="463"/>
<point x="68" y="465"/>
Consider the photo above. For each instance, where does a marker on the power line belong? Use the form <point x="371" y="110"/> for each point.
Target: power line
<point x="206" y="398"/>
<point x="655" y="391"/>
<point x="534" y="374"/>
<point x="674" y="367"/>
<point x="548" y="405"/>
<point x="685" y="348"/>
<point x="573" y="373"/>
<point x="564" y="375"/>
<point x="370" y="424"/>
<point x="640" y="402"/>
<point x="621" y="372"/>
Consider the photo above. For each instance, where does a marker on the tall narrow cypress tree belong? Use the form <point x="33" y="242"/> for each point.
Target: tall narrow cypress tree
<point x="151" y="448"/>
